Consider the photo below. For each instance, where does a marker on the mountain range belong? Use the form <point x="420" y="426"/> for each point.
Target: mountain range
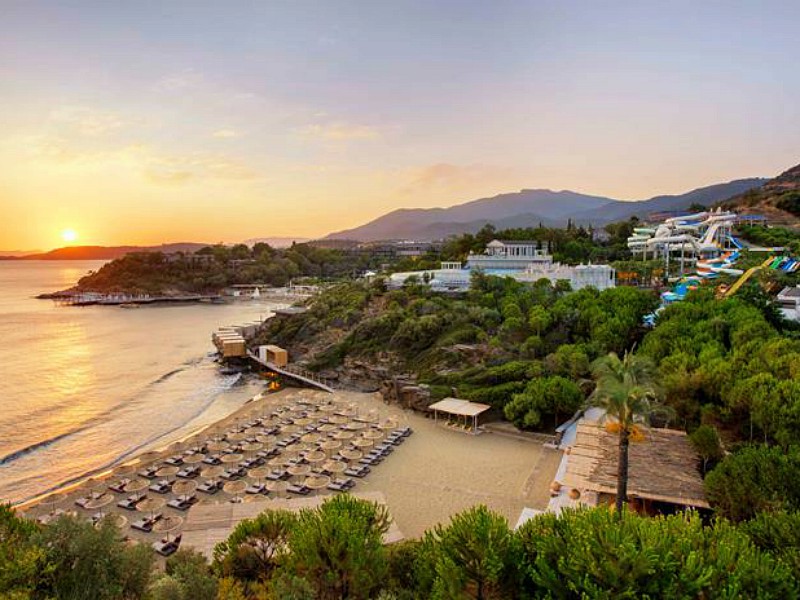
<point x="104" y="252"/>
<point x="528" y="208"/>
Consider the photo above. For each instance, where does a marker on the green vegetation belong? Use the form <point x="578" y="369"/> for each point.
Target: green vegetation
<point x="335" y="552"/>
<point x="627" y="393"/>
<point x="211" y="269"/>
<point x="772" y="236"/>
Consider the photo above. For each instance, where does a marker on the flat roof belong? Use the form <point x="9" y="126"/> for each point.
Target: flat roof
<point x="464" y="408"/>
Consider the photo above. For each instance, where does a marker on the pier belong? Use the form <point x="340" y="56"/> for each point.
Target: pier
<point x="92" y="299"/>
<point x="294" y="372"/>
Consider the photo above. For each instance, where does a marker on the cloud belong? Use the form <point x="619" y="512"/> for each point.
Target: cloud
<point x="186" y="79"/>
<point x="86" y="121"/>
<point x="226" y="134"/>
<point x="446" y="176"/>
<point x="339" y="131"/>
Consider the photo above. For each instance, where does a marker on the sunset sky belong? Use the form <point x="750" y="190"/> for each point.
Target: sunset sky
<point x="147" y="122"/>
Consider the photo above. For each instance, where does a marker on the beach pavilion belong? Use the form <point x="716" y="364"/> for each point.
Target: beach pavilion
<point x="460" y="408"/>
<point x="663" y="471"/>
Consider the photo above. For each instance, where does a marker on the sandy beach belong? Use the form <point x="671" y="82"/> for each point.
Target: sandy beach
<point x="434" y="474"/>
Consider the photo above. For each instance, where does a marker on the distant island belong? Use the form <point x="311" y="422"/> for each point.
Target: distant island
<point x="102" y="252"/>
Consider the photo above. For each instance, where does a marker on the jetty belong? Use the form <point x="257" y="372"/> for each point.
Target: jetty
<point x="294" y="372"/>
<point x="95" y="299"/>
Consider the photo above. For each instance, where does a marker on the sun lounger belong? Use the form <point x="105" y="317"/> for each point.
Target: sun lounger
<point x="267" y="454"/>
<point x="211" y="486"/>
<point x="131" y="501"/>
<point x="166" y="547"/>
<point x="149" y="473"/>
<point x="252" y="462"/>
<point x="188" y="472"/>
<point x="119" y="486"/>
<point x="233" y="473"/>
<point x="184" y="502"/>
<point x="146" y="523"/>
<point x="361" y="471"/>
<point x="341" y="485"/>
<point x="161" y="487"/>
<point x="212" y="459"/>
<point x="256" y="488"/>
<point x="82" y="502"/>
<point x="300" y="490"/>
<point x="175" y="461"/>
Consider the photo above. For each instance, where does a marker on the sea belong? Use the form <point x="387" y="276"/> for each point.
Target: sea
<point x="85" y="388"/>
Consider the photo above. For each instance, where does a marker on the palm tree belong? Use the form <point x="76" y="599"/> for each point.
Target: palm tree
<point x="627" y="391"/>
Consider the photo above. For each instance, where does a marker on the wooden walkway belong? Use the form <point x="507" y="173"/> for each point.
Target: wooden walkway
<point x="295" y="372"/>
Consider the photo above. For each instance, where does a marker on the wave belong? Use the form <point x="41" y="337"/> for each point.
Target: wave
<point x="101" y="417"/>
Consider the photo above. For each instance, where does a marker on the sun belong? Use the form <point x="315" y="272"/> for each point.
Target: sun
<point x="69" y="235"/>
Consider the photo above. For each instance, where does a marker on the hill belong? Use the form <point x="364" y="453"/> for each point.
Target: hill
<point x="778" y="199"/>
<point x="106" y="252"/>
<point x="528" y="208"/>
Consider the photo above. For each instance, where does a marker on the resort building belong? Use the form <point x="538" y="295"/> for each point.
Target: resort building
<point x="789" y="302"/>
<point x="525" y="261"/>
<point x="663" y="475"/>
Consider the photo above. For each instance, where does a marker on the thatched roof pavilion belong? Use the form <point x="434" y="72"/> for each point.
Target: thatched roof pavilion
<point x="663" y="468"/>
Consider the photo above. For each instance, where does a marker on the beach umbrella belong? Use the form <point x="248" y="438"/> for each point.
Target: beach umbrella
<point x="137" y="485"/>
<point x="344" y="435"/>
<point x="185" y="486"/>
<point x="264" y="438"/>
<point x="255" y="447"/>
<point x="290" y="429"/>
<point x="276" y="487"/>
<point x="311" y="438"/>
<point x="327" y="428"/>
<point x="362" y="443"/>
<point x="150" y="505"/>
<point x="237" y="436"/>
<point x="357" y="425"/>
<point x="117" y="519"/>
<point x="234" y="488"/>
<point x="167" y="471"/>
<point x="100" y="502"/>
<point x="389" y="425"/>
<point x="330" y="445"/>
<point x="316" y="457"/>
<point x="193" y="459"/>
<point x="351" y="453"/>
<point x="278" y="461"/>
<point x="299" y="470"/>
<point x="148" y="456"/>
<point x="167" y="524"/>
<point x="252" y="431"/>
<point x="125" y="469"/>
<point x="53" y="499"/>
<point x="338" y="420"/>
<point x="302" y="421"/>
<point x="216" y="446"/>
<point x="211" y="472"/>
<point x="317" y="482"/>
<point x="334" y="466"/>
<point x="232" y="458"/>
<point x="259" y="473"/>
<point x="372" y="434"/>
<point x="328" y="408"/>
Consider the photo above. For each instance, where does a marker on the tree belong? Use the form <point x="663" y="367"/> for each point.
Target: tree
<point x="472" y="556"/>
<point x="252" y="551"/>
<point x="705" y="440"/>
<point x="22" y="562"/>
<point x="338" y="548"/>
<point x="187" y="577"/>
<point x="626" y="390"/>
<point x="543" y="396"/>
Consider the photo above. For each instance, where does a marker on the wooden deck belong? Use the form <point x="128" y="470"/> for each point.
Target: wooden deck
<point x="297" y="373"/>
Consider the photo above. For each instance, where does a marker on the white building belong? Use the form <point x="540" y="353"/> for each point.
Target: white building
<point x="789" y="303"/>
<point x="524" y="261"/>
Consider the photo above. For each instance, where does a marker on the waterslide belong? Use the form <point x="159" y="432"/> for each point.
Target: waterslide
<point x="748" y="274"/>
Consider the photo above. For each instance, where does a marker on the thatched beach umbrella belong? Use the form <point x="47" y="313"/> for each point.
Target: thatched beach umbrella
<point x="237" y="436"/>
<point x="327" y="428"/>
<point x="232" y="458"/>
<point x="147" y="457"/>
<point x="329" y="408"/>
<point x="276" y="487"/>
<point x="311" y="438"/>
<point x="137" y="485"/>
<point x="372" y="434"/>
<point x="361" y="442"/>
<point x="330" y="445"/>
<point x="317" y="482"/>
<point x="150" y="505"/>
<point x="183" y="487"/>
<point x="344" y="435"/>
<point x="334" y="466"/>
<point x="259" y="473"/>
<point x="289" y="429"/>
<point x="167" y="471"/>
<point x="217" y="445"/>
<point x="302" y="421"/>
<point x="389" y="424"/>
<point x="168" y="524"/>
<point x="125" y="469"/>
<point x="211" y="472"/>
<point x="299" y="470"/>
<point x="338" y="420"/>
<point x="100" y="502"/>
<point x="234" y="488"/>
<point x="278" y="461"/>
<point x="252" y="447"/>
<point x="193" y="459"/>
<point x="316" y="457"/>
<point x="351" y="453"/>
<point x="52" y="500"/>
<point x="357" y="426"/>
<point x="265" y="438"/>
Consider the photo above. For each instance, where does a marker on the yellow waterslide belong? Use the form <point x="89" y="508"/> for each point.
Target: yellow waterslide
<point x="747" y="275"/>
